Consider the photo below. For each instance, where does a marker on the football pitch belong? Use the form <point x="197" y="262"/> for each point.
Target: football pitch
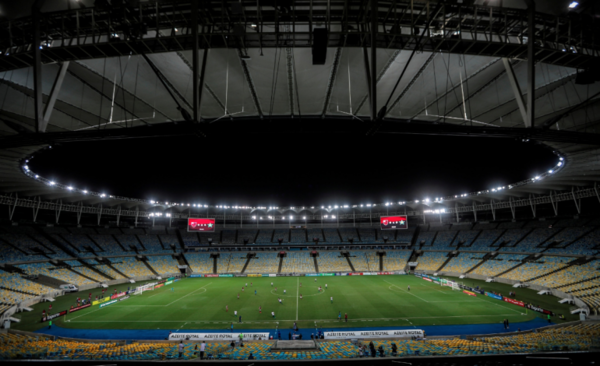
<point x="369" y="301"/>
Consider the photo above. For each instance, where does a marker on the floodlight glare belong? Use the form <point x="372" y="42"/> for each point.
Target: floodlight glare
<point x="254" y="217"/>
<point x="333" y="216"/>
<point x="573" y="5"/>
<point x="152" y="202"/>
<point x="52" y="183"/>
<point x="303" y="217"/>
<point x="291" y="217"/>
<point x="70" y="188"/>
<point x="550" y="171"/>
<point x="85" y="192"/>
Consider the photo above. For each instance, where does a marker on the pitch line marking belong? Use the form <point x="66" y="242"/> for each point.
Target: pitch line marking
<point x="405" y="291"/>
<point x="290" y="320"/>
<point x="444" y="292"/>
<point x="83" y="314"/>
<point x="297" y="295"/>
<point x="201" y="288"/>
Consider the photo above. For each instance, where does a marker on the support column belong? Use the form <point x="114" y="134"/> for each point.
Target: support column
<point x="11" y="210"/>
<point x="474" y="212"/>
<point x="79" y="212"/>
<point x="119" y="215"/>
<point x="137" y="213"/>
<point x="36" y="209"/>
<point x="530" y="63"/>
<point x="577" y="202"/>
<point x="554" y="204"/>
<point x="532" y="204"/>
<point x="37" y="66"/>
<point x="493" y="209"/>
<point x="374" y="7"/>
<point x="54" y="95"/>
<point x="512" y="208"/>
<point x="456" y="210"/>
<point x="514" y="83"/>
<point x="596" y="190"/>
<point x="195" y="59"/>
<point x="99" y="213"/>
<point x="58" y="210"/>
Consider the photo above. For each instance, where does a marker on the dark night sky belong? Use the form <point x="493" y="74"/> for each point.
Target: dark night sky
<point x="293" y="169"/>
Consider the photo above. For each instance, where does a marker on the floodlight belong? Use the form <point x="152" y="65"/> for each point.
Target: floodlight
<point x="325" y="216"/>
<point x="335" y="207"/>
<point x="559" y="163"/>
<point x="561" y="159"/>
<point x="345" y="206"/>
<point x="538" y="177"/>
<point x="253" y="217"/>
<point x="283" y="218"/>
<point x="333" y="216"/>
<point x="426" y="199"/>
<point x="70" y="188"/>
<point x="416" y="201"/>
<point x="52" y="183"/>
<point x="168" y="215"/>
<point x="37" y="176"/>
<point x="152" y="202"/>
<point x="103" y="195"/>
<point x="85" y="192"/>
<point x="550" y="171"/>
<point x="291" y="217"/>
<point x="270" y="217"/>
<point x="387" y="204"/>
<point x="573" y="5"/>
<point x="303" y="217"/>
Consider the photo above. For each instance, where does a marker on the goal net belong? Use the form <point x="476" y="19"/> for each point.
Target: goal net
<point x="141" y="289"/>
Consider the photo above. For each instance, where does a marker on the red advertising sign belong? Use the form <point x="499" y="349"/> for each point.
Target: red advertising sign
<point x="79" y="308"/>
<point x="53" y="316"/>
<point x="117" y="295"/>
<point x="469" y="293"/>
<point x="211" y="275"/>
<point x="157" y="286"/>
<point x="384" y="273"/>
<point x="427" y="279"/>
<point x="512" y="301"/>
<point x="201" y="225"/>
<point x="355" y="274"/>
<point x="393" y="222"/>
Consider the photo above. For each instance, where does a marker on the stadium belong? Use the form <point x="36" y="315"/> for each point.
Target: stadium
<point x="342" y="113"/>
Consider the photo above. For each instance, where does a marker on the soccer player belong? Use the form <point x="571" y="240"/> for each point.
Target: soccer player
<point x="275" y="289"/>
<point x="231" y="327"/>
<point x="284" y="291"/>
<point x="273" y="314"/>
<point x="254" y="292"/>
<point x="271" y="284"/>
<point x="408" y="287"/>
<point x="260" y="309"/>
<point x="250" y="284"/>
<point x="346" y="317"/>
<point x="340" y="316"/>
<point x="242" y="289"/>
<point x="331" y="298"/>
<point x="235" y="313"/>
<point x="240" y="318"/>
<point x="226" y="308"/>
<point x="315" y="280"/>
<point x="246" y="284"/>
<point x="172" y="289"/>
<point x="238" y="295"/>
<point x="300" y="284"/>
<point x="50" y="307"/>
<point x="325" y="286"/>
<point x="300" y="296"/>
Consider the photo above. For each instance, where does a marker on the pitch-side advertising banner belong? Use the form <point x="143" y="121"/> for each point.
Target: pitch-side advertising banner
<point x="493" y="296"/>
<point x="255" y="275"/>
<point x="196" y="275"/>
<point x="427" y="279"/>
<point x="469" y="293"/>
<point x="217" y="336"/>
<point x="514" y="302"/>
<point x="211" y="275"/>
<point x="225" y="275"/>
<point x="117" y="295"/>
<point x="79" y="308"/>
<point x="53" y="316"/>
<point x="108" y="303"/>
<point x="158" y="286"/>
<point x="101" y="301"/>
<point x="168" y="283"/>
<point x="400" y="333"/>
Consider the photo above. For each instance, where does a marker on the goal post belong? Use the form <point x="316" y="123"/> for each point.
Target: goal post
<point x="141" y="289"/>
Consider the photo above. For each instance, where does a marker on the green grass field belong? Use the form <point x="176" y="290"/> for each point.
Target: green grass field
<point x="370" y="301"/>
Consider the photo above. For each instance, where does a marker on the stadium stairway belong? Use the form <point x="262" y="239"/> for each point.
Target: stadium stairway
<point x="280" y="264"/>
<point x="316" y="264"/>
<point x="145" y="261"/>
<point x="55" y="242"/>
<point x="517" y="266"/>
<point x="350" y="262"/>
<point x="577" y="261"/>
<point x="485" y="258"/>
<point x="182" y="260"/>
<point x="109" y="264"/>
<point x="93" y="268"/>
<point x="47" y="281"/>
<point x="450" y="256"/>
<point x="70" y="268"/>
<point x="380" y="262"/>
<point x="246" y="264"/>
<point x="215" y="264"/>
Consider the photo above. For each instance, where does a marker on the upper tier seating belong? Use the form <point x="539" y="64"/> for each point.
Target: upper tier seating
<point x="298" y="262"/>
<point x="366" y="235"/>
<point x="347" y="233"/>
<point x="427" y="237"/>
<point x="405" y="236"/>
<point x="231" y="263"/>
<point x="129" y="241"/>
<point x="168" y="240"/>
<point x="192" y="240"/>
<point x="249" y="234"/>
<point x="200" y="262"/>
<point x="431" y="261"/>
<point x="511" y="237"/>
<point x="298" y="236"/>
<point x="281" y="234"/>
<point x="82" y="243"/>
<point x="152" y="244"/>
<point x="228" y="236"/>
<point x="444" y="239"/>
<point x="499" y="264"/>
<point x="109" y="245"/>
<point x="465" y="236"/>
<point x="81" y="268"/>
<point x="10" y="254"/>
<point x="485" y="240"/>
<point x="331" y="236"/>
<point x="264" y="262"/>
<point x="314" y="233"/>
<point x="105" y="269"/>
<point x="396" y="260"/>
<point x="50" y="270"/>
<point x="264" y="237"/>
<point x="531" y="242"/>
<point x="332" y="262"/>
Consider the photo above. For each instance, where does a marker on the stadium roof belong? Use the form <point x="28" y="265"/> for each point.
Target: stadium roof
<point x="114" y="73"/>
